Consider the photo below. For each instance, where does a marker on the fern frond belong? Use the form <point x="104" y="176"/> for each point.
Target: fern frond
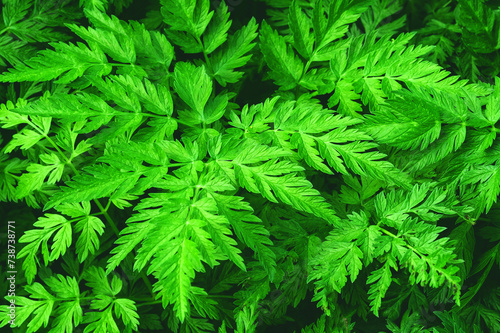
<point x="216" y="33"/>
<point x="286" y="67"/>
<point x="234" y="55"/>
<point x="248" y="228"/>
<point x="66" y="61"/>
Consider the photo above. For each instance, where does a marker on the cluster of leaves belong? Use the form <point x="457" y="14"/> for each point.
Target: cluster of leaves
<point x="356" y="196"/>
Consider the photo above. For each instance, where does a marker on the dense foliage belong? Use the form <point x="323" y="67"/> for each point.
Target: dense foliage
<point x="239" y="166"/>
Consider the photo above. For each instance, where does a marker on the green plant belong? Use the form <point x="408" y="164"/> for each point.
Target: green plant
<point x="187" y="172"/>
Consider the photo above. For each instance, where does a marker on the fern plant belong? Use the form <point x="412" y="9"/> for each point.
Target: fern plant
<point x="150" y="193"/>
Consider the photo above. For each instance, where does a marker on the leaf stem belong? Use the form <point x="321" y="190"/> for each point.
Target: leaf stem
<point x="205" y="55"/>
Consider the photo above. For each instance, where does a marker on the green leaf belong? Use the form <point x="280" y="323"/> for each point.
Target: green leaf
<point x="286" y="67"/>
<point x="114" y="91"/>
<point x="98" y="182"/>
<point x="15" y="11"/>
<point x="101" y="5"/>
<point x="43" y="307"/>
<point x="77" y="107"/>
<point x="97" y="279"/>
<point x="380" y="280"/>
<point x="489" y="178"/>
<point x="39" y="25"/>
<point x="8" y="179"/>
<point x="100" y="321"/>
<point x="193" y="85"/>
<point x="218" y="229"/>
<point x="451" y="139"/>
<point x="88" y="240"/>
<point x="300" y="27"/>
<point x="174" y="284"/>
<point x="53" y="225"/>
<point x="478" y="22"/>
<point x="293" y="190"/>
<point x="24" y="139"/>
<point x="380" y="17"/>
<point x="234" y="55"/>
<point x="216" y="33"/>
<point x="66" y="61"/>
<point x="309" y="120"/>
<point x="344" y="260"/>
<point x="69" y="311"/>
<point x="191" y="16"/>
<point x="345" y="95"/>
<point x="340" y="14"/>
<point x="126" y="309"/>
<point x="151" y="47"/>
<point x="398" y="125"/>
<point x="12" y="51"/>
<point x="119" y="47"/>
<point x="156" y="98"/>
<point x="248" y="229"/>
